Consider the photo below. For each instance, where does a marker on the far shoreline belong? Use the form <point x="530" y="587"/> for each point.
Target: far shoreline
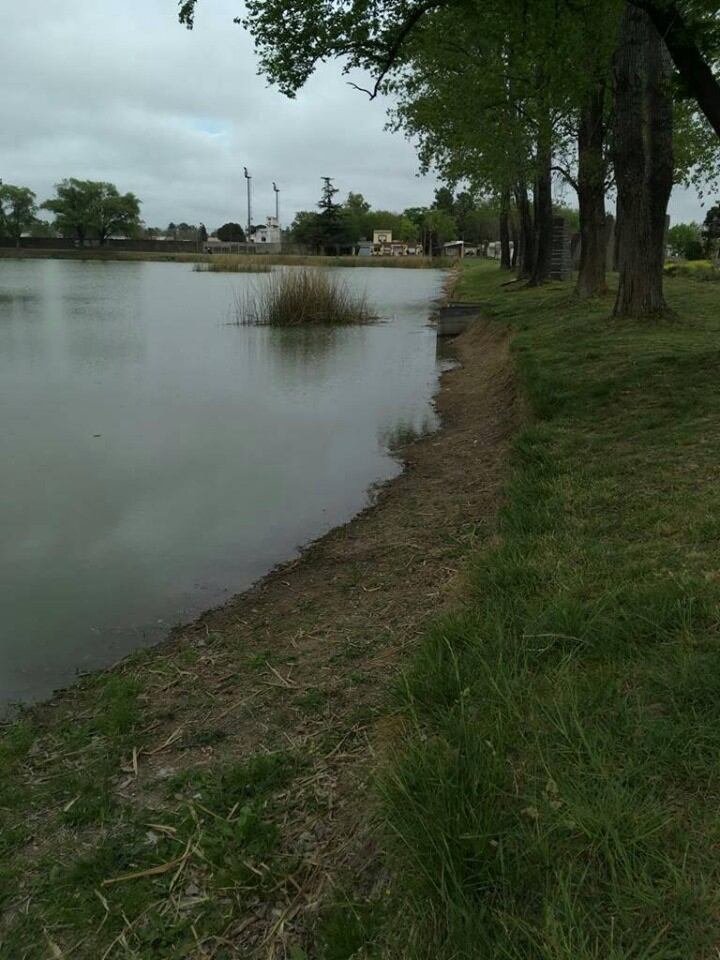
<point x="273" y="259"/>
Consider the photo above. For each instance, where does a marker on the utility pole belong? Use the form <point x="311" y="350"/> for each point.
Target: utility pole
<point x="249" y="203"/>
<point x="277" y="202"/>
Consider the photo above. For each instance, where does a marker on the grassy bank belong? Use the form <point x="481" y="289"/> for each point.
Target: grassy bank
<point x="555" y="795"/>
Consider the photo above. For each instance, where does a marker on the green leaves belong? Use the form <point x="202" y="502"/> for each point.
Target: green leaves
<point x="89" y="208"/>
<point x="17" y="210"/>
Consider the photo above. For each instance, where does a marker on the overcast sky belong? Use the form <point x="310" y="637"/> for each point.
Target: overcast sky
<point x="104" y="90"/>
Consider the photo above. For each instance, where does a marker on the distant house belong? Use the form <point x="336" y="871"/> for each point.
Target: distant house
<point x="383" y="245"/>
<point x="454" y="248"/>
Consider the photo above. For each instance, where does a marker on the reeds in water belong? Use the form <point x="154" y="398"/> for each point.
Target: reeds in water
<point x="230" y="264"/>
<point x="294" y="298"/>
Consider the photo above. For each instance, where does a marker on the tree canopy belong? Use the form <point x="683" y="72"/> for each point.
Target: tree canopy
<point x="685" y="240"/>
<point x="503" y="96"/>
<point x="17" y="210"/>
<point x="231" y="233"/>
<point x="89" y="209"/>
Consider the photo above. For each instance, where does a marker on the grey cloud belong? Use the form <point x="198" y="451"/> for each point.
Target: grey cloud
<point x="134" y="98"/>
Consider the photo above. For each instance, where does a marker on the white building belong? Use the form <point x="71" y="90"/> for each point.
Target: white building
<point x="268" y="232"/>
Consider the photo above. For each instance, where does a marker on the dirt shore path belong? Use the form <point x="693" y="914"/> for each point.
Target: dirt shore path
<point x="301" y="667"/>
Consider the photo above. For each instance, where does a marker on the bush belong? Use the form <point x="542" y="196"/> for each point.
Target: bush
<point x="692" y="269"/>
<point x="694" y="250"/>
<point x="684" y="240"/>
<point x="300" y="297"/>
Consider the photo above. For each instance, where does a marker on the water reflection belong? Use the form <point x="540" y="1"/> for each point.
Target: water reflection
<point x="289" y="353"/>
<point x="404" y="432"/>
<point x="156" y="460"/>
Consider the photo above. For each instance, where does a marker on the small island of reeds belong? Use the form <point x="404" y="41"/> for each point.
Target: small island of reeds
<point x="230" y="264"/>
<point x="294" y="298"/>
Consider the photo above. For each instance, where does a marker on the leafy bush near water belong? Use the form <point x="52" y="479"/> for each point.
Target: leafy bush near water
<point x="692" y="269"/>
<point x="292" y="298"/>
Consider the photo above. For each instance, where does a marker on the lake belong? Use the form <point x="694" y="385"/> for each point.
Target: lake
<point x="157" y="459"/>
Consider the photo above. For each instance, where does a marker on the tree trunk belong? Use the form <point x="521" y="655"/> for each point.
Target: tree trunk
<point x="618" y="228"/>
<point x="692" y="66"/>
<point x="643" y="162"/>
<point x="505" y="230"/>
<point x="526" y="242"/>
<point x="514" y="236"/>
<point x="591" y="194"/>
<point x="543" y="216"/>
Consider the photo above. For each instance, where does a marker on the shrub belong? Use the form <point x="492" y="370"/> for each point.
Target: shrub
<point x="692" y="269"/>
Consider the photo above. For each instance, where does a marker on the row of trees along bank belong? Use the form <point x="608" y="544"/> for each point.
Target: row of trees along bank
<point x="338" y="227"/>
<point x="84" y="210"/>
<point x="506" y="95"/>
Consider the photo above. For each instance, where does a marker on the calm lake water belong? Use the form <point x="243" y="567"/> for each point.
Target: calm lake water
<point x="156" y="460"/>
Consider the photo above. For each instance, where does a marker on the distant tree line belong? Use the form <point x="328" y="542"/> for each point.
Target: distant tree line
<point x="693" y="241"/>
<point x="84" y="210"/>
<point x="89" y="211"/>
<point x="339" y="226"/>
<point x="464" y="216"/>
<point x="512" y="97"/>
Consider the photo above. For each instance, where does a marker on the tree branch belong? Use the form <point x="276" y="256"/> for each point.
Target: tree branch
<point x="566" y="175"/>
<point x="687" y="56"/>
<point x="411" y="21"/>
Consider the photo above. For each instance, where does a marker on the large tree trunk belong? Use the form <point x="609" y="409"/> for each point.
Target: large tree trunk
<point x="616" y="244"/>
<point x="692" y="66"/>
<point x="505" y="230"/>
<point x="591" y="194"/>
<point x="643" y="162"/>
<point x="526" y="241"/>
<point x="543" y="215"/>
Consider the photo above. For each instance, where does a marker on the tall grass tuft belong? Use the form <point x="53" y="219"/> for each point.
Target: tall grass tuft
<point x="231" y="264"/>
<point x="294" y="298"/>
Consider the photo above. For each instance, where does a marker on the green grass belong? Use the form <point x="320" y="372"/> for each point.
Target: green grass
<point x="214" y="834"/>
<point x="557" y="797"/>
<point x="693" y="269"/>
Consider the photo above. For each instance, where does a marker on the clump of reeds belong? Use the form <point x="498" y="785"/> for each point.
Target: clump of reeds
<point x="294" y="298"/>
<point x="230" y="264"/>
